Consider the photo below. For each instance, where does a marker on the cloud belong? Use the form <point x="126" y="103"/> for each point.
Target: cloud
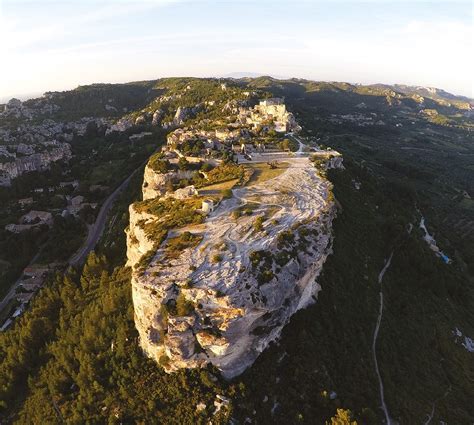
<point x="17" y="33"/>
<point x="124" y="40"/>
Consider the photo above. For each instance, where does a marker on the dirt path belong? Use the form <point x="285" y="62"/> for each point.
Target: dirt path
<point x="431" y="414"/>
<point x="295" y="195"/>
<point x="376" y="333"/>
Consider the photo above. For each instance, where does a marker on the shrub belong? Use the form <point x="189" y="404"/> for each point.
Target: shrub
<point x="256" y="257"/>
<point x="165" y="313"/>
<point x="183" y="164"/>
<point x="159" y="165"/>
<point x="178" y="244"/>
<point x="285" y="238"/>
<point x="258" y="223"/>
<point x="184" y="307"/>
<point x="222" y="173"/>
<point x="265" y="277"/>
<point x="226" y="193"/>
<point x="164" y="360"/>
<point x="288" y="144"/>
<point x="282" y="258"/>
<point x="216" y="258"/>
<point x="145" y="260"/>
<point x="206" y="167"/>
<point x="188" y="284"/>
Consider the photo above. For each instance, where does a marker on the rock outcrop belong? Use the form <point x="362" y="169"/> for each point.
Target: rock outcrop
<point x="120" y="126"/>
<point x="156" y="184"/>
<point x="224" y="300"/>
<point x="181" y="115"/>
<point x="41" y="161"/>
<point x="157" y="116"/>
<point x="138" y="243"/>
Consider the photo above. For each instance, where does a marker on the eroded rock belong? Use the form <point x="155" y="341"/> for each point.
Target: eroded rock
<point x="237" y="305"/>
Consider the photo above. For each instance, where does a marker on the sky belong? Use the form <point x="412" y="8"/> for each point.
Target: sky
<point x="58" y="45"/>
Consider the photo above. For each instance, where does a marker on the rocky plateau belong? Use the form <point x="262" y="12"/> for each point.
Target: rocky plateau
<point x="241" y="285"/>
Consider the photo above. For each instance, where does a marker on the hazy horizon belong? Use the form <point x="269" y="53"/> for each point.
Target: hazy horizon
<point x="26" y="96"/>
<point x="55" y="46"/>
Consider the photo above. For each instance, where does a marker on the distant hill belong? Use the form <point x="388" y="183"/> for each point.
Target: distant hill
<point x="251" y="75"/>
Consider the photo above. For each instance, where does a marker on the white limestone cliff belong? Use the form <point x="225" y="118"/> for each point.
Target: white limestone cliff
<point x="239" y="303"/>
<point x="155" y="183"/>
<point x="34" y="161"/>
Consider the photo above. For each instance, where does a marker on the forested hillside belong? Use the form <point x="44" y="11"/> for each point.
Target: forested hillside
<point x="74" y="355"/>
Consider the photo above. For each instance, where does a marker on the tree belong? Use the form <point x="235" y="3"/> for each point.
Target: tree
<point x="183" y="164"/>
<point x="159" y="165"/>
<point x="343" y="417"/>
<point x="226" y="193"/>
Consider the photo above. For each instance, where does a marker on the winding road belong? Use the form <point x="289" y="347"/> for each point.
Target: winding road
<point x="94" y="234"/>
<point x="95" y="231"/>
<point x="376" y="333"/>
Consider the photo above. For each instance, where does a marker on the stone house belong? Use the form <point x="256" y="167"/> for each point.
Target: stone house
<point x="207" y="206"/>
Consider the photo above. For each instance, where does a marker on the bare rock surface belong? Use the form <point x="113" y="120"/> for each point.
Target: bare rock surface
<point x="243" y="284"/>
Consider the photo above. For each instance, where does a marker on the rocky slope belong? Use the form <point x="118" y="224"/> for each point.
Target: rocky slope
<point x="33" y="161"/>
<point x="225" y="299"/>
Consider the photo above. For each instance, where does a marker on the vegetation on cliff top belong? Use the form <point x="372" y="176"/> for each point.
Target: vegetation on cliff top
<point x="74" y="357"/>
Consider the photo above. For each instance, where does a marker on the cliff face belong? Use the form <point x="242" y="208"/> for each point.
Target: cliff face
<point x="34" y="162"/>
<point x="224" y="299"/>
<point x="138" y="243"/>
<point x="155" y="184"/>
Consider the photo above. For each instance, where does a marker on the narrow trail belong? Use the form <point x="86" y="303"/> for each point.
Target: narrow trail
<point x="227" y="235"/>
<point x="431" y="414"/>
<point x="376" y="333"/>
<point x="221" y="228"/>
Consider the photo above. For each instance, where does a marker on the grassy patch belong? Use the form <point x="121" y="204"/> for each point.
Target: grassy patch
<point x="262" y="172"/>
<point x="222" y="173"/>
<point x="219" y="190"/>
<point x="175" y="246"/>
<point x="247" y="209"/>
<point x="105" y="173"/>
<point x="170" y="214"/>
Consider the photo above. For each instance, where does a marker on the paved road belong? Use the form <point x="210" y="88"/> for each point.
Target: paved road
<point x="303" y="146"/>
<point x="12" y="292"/>
<point x="95" y="231"/>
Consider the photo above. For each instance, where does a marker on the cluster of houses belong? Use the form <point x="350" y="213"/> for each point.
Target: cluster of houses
<point x="35" y="218"/>
<point x="269" y="114"/>
<point x="30" y="220"/>
<point x="235" y="136"/>
<point x="361" y="120"/>
<point x="32" y="279"/>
